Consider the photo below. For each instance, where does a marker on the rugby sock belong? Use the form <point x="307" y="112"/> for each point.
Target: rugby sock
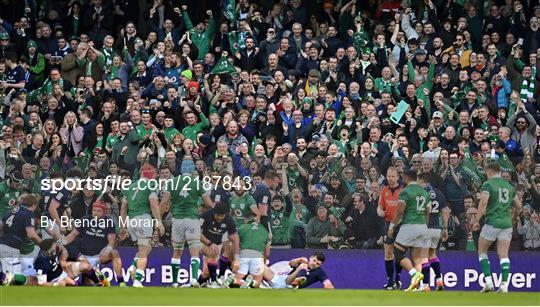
<point x="139" y="275"/>
<point x="223" y="265"/>
<point x="389" y="266"/>
<point x="426" y="270"/>
<point x="212" y="270"/>
<point x="134" y="262"/>
<point x="505" y="269"/>
<point x="19" y="279"/>
<point x="92" y="276"/>
<point x="120" y="278"/>
<point x="195" y="263"/>
<point x="436" y="266"/>
<point x="486" y="269"/>
<point x="398" y="269"/>
<point x="175" y="265"/>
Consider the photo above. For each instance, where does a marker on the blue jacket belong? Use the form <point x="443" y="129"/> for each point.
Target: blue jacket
<point x="502" y="94"/>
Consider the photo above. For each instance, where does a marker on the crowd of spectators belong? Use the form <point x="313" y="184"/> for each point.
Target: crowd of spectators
<point x="325" y="94"/>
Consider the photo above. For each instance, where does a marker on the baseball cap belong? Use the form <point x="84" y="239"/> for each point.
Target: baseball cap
<point x="437" y="114"/>
<point x="420" y="52"/>
<point x="4" y="35"/>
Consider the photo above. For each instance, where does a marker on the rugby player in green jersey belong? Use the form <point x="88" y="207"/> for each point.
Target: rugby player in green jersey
<point x="412" y="210"/>
<point x="139" y="205"/>
<point x="499" y="203"/>
<point x="185" y="194"/>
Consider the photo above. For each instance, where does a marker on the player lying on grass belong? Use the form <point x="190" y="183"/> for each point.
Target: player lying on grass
<point x="298" y="273"/>
<point x="99" y="241"/>
<point x="217" y="222"/>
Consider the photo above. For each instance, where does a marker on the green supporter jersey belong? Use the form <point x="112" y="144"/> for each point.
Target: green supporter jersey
<point x="294" y="178"/>
<point x="253" y="237"/>
<point x="186" y="192"/>
<point x="279" y="222"/>
<point x="240" y="207"/>
<point x="142" y="131"/>
<point x="499" y="207"/>
<point x="416" y="200"/>
<point x="138" y="199"/>
<point x="7" y="195"/>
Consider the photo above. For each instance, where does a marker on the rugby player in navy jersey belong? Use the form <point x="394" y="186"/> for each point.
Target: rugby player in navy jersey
<point x="54" y="206"/>
<point x="263" y="197"/>
<point x="99" y="240"/>
<point x="217" y="223"/>
<point x="437" y="232"/>
<point x="17" y="226"/>
<point x="298" y="273"/>
<point x="52" y="266"/>
<point x="219" y="194"/>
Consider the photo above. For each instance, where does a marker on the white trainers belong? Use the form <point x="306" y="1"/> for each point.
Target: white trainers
<point x="487" y="288"/>
<point x="137" y="284"/>
<point x="214" y="285"/>
<point x="194" y="284"/>
<point x="503" y="288"/>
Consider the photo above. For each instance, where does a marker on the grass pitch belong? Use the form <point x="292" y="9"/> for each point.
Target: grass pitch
<point x="153" y="296"/>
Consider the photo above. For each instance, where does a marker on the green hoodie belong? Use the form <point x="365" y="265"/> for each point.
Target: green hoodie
<point x="36" y="62"/>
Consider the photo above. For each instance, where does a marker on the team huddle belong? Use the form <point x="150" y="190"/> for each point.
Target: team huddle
<point x="231" y="230"/>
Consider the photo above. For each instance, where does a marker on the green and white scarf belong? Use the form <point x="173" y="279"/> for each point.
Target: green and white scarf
<point x="527" y="89"/>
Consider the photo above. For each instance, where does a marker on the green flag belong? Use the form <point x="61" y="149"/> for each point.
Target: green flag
<point x="505" y="163"/>
<point x="82" y="161"/>
<point x="233" y="41"/>
<point x="230" y="7"/>
<point x="223" y="66"/>
<point x="470" y="168"/>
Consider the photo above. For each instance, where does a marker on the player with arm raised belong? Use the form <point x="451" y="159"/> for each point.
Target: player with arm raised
<point x="140" y="204"/>
<point x="501" y="206"/>
<point x="17" y="226"/>
<point x="99" y="242"/>
<point x="412" y="211"/>
<point x="438" y="218"/>
<point x="388" y="201"/>
<point x="298" y="273"/>
<point x="185" y="194"/>
<point x="217" y="223"/>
